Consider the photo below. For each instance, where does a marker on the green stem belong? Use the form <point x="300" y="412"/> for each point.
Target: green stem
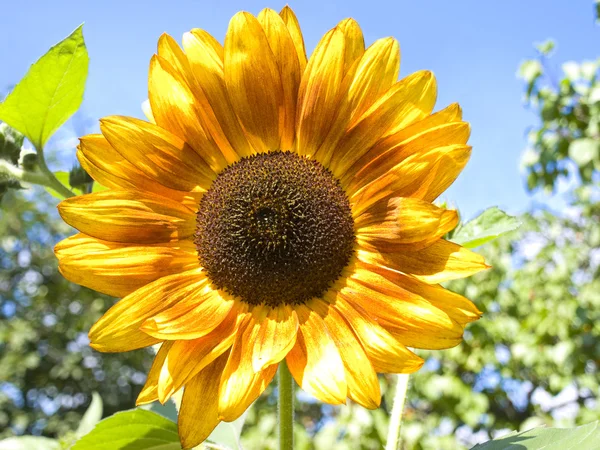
<point x="393" y="438"/>
<point x="52" y="180"/>
<point x="285" y="407"/>
<point x="22" y="175"/>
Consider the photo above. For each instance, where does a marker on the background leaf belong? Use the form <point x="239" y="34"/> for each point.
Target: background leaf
<point x="136" y="429"/>
<point x="489" y="225"/>
<point x="585" y="437"/>
<point x="92" y="416"/>
<point x="29" y="443"/>
<point x="50" y="92"/>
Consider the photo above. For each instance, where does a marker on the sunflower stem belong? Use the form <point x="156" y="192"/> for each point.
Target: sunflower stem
<point x="285" y="407"/>
<point x="393" y="437"/>
<point x="52" y="181"/>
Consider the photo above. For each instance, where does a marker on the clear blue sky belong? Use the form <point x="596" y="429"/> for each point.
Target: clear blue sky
<point x="473" y="46"/>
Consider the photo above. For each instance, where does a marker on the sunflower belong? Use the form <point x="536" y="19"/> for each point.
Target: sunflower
<point x="273" y="207"/>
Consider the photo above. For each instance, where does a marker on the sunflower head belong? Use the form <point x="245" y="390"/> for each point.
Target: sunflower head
<point x="273" y="207"/>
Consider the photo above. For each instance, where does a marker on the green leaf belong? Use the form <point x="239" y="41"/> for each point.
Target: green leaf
<point x="228" y="434"/>
<point x="585" y="437"/>
<point x="50" y="92"/>
<point x="91" y="417"/>
<point x="582" y="151"/>
<point x="135" y="429"/>
<point x="29" y="443"/>
<point x="63" y="177"/>
<point x="489" y="225"/>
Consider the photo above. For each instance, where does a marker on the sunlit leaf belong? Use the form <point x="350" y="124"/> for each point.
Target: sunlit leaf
<point x="135" y="429"/>
<point x="582" y="151"/>
<point x="50" y="92"/>
<point x="489" y="225"/>
<point x="585" y="437"/>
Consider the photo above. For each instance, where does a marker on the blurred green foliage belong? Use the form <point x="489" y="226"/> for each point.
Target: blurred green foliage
<point x="47" y="370"/>
<point x="567" y="137"/>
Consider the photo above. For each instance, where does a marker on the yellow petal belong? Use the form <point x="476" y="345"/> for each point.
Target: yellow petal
<point x="198" y="415"/>
<point x="363" y="385"/>
<point x="384" y="351"/>
<point x="119" y="269"/>
<point x="363" y="84"/>
<point x="449" y="168"/>
<point x="157" y="153"/>
<point x="240" y="385"/>
<point x="409" y="100"/>
<point x="315" y="361"/>
<point x="291" y="22"/>
<point x="441" y="261"/>
<point x="149" y="392"/>
<point x="409" y="317"/>
<point x="282" y="46"/>
<point x="177" y="111"/>
<point x="118" y="330"/>
<point x="407" y="221"/>
<point x="110" y="169"/>
<point x="253" y="82"/>
<point x="192" y="317"/>
<point x="129" y="217"/>
<point x="170" y="51"/>
<point x="188" y="357"/>
<point x="274" y="335"/>
<point x="354" y="42"/>
<point x="207" y="66"/>
<point x="319" y="92"/>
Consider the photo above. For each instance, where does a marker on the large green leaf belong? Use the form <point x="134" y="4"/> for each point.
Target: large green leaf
<point x="29" y="443"/>
<point x="489" y="225"/>
<point x="91" y="417"/>
<point x="585" y="437"/>
<point x="135" y="429"/>
<point x="50" y="92"/>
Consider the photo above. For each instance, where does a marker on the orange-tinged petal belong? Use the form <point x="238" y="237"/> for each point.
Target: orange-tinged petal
<point x="315" y="361"/>
<point x="240" y="384"/>
<point x="207" y="66"/>
<point x="455" y="305"/>
<point x="363" y="385"/>
<point x="119" y="269"/>
<point x="176" y="109"/>
<point x="407" y="221"/>
<point x="354" y="42"/>
<point x="409" y="100"/>
<point x="449" y="168"/>
<point x="187" y="358"/>
<point x="253" y="82"/>
<point x="291" y="22"/>
<point x="157" y="153"/>
<point x="394" y="149"/>
<point x="409" y="317"/>
<point x="110" y="169"/>
<point x="196" y="315"/>
<point x="274" y="335"/>
<point x="282" y="46"/>
<point x="129" y="217"/>
<point x="198" y="415"/>
<point x="118" y="330"/>
<point x="441" y="261"/>
<point x="319" y="92"/>
<point x="384" y="351"/>
<point x="149" y="392"/>
<point x="410" y="178"/>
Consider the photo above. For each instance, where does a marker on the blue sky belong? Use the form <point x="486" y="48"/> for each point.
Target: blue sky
<point x="474" y="47"/>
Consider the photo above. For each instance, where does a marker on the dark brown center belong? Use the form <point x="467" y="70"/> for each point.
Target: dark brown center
<point x="275" y="228"/>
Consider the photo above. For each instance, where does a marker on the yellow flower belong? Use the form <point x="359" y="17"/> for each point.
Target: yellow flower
<point x="273" y="207"/>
